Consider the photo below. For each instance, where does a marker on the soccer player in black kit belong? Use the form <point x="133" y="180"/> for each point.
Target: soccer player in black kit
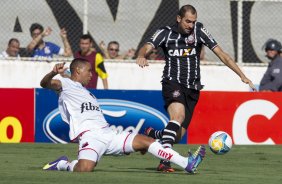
<point x="181" y="82"/>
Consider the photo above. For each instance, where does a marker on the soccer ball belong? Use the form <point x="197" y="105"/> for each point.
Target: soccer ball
<point x="220" y="142"/>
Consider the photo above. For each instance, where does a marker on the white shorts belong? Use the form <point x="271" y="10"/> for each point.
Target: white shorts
<point x="95" y="143"/>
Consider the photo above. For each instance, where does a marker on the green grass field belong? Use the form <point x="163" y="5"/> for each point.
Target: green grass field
<point x="22" y="163"/>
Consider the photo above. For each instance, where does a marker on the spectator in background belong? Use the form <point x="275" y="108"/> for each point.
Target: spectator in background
<point x="12" y="49"/>
<point x="272" y="79"/>
<point x="112" y="51"/>
<point x="95" y="59"/>
<point x="154" y="55"/>
<point x="41" y="49"/>
<point x="130" y="54"/>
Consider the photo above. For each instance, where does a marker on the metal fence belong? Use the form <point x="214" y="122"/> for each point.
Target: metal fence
<point x="240" y="27"/>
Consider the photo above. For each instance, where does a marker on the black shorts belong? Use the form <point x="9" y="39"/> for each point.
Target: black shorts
<point x="175" y="92"/>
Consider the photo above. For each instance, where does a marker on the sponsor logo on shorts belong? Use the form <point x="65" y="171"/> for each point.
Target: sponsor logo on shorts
<point x="176" y="93"/>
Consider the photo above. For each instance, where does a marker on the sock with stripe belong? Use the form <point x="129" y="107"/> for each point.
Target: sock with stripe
<point x="156" y="134"/>
<point x="169" y="133"/>
<point x="168" y="154"/>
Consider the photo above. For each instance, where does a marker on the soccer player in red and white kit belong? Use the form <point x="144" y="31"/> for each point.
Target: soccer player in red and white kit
<point x="181" y="84"/>
<point x="80" y="109"/>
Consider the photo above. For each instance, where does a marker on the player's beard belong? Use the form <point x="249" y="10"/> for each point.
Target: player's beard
<point x="185" y="30"/>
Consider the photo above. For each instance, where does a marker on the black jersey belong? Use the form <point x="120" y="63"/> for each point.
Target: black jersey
<point x="182" y="53"/>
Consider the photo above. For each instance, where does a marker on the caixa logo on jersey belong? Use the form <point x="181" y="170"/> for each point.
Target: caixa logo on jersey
<point x="120" y="114"/>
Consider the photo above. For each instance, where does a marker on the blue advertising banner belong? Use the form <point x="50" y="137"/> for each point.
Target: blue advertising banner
<point x="125" y="110"/>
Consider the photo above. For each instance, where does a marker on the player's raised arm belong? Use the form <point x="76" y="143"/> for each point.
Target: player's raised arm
<point x="228" y="61"/>
<point x="141" y="56"/>
<point x="49" y="82"/>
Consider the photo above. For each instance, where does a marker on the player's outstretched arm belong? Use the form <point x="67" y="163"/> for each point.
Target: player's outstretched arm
<point x="228" y="61"/>
<point x="141" y="56"/>
<point x="49" y="82"/>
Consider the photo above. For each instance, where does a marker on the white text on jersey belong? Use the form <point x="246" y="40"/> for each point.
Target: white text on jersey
<point x="87" y="106"/>
<point x="182" y="52"/>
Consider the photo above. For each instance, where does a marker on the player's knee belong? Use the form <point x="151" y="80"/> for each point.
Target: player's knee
<point x="84" y="166"/>
<point x="178" y="117"/>
<point x="181" y="118"/>
<point x="88" y="168"/>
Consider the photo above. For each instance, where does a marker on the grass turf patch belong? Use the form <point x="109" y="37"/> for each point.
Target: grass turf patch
<point x="22" y="163"/>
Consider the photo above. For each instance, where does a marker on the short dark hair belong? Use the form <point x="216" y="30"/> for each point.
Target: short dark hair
<point x="76" y="62"/>
<point x="187" y="8"/>
<point x="86" y="37"/>
<point x="36" y="26"/>
<point x="113" y="42"/>
<point x="13" y="40"/>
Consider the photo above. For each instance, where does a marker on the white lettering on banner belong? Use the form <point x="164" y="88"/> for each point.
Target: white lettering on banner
<point x="244" y="112"/>
<point x="120" y="128"/>
<point x="115" y="114"/>
<point x="129" y="128"/>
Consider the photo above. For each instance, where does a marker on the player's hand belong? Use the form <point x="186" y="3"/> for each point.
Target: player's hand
<point x="248" y="81"/>
<point x="47" y="31"/>
<point x="102" y="45"/>
<point x="130" y="53"/>
<point x="59" y="68"/>
<point x="142" y="62"/>
<point x="63" y="33"/>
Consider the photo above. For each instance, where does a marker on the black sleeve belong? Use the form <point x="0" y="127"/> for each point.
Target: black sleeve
<point x="158" y="38"/>
<point x="206" y="37"/>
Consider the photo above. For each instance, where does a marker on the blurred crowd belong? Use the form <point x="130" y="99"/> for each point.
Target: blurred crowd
<point x="43" y="50"/>
<point x="40" y="49"/>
